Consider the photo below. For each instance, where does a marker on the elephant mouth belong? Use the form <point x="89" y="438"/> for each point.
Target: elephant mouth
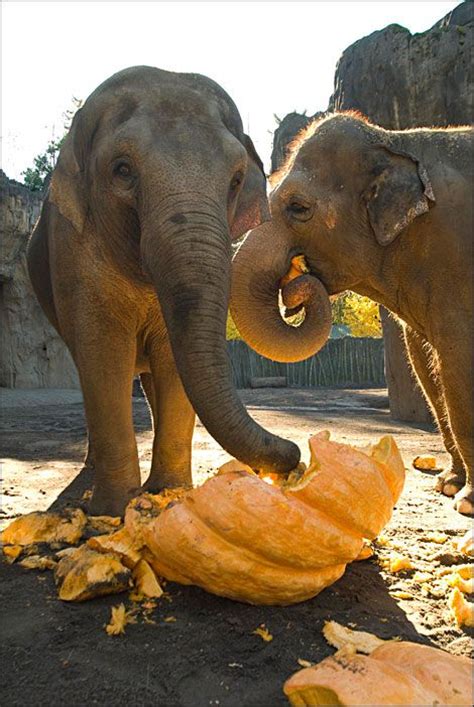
<point x="313" y="270"/>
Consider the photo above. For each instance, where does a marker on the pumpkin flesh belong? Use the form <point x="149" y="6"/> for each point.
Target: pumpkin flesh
<point x="396" y="673"/>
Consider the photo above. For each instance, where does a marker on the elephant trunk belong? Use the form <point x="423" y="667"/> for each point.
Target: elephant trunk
<point x="186" y="248"/>
<point x="258" y="267"/>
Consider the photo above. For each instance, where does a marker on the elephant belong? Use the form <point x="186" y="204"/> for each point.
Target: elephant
<point x="130" y="260"/>
<point x="387" y="214"/>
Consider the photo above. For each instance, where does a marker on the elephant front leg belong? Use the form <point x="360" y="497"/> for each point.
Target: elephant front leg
<point x="173" y="423"/>
<point x="425" y="364"/>
<point x="106" y="379"/>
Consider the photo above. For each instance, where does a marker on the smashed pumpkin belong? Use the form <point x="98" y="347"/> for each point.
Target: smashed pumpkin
<point x="85" y="574"/>
<point x="262" y="543"/>
<point x="65" y="527"/>
<point x="395" y="673"/>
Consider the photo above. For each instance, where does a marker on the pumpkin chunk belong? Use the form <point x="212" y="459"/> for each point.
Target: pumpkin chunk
<point x="424" y="462"/>
<point x="340" y="636"/>
<point x="395" y="673"/>
<point x="86" y="574"/>
<point x="37" y="527"/>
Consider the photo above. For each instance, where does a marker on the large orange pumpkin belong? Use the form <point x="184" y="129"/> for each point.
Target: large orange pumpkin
<point x="243" y="538"/>
<point x="397" y="673"/>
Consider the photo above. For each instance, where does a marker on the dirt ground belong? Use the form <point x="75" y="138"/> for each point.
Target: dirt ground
<point x="56" y="653"/>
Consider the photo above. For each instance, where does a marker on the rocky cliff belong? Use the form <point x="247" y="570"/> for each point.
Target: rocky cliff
<point x="32" y="355"/>
<point x="400" y="80"/>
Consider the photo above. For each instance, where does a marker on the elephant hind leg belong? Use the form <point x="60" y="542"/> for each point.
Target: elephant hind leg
<point x="173" y="422"/>
<point x="425" y="365"/>
<point x="146" y="381"/>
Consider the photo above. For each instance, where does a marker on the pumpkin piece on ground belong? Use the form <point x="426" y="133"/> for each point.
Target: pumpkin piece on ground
<point x="465" y="571"/>
<point x="120" y="617"/>
<point x="85" y="574"/>
<point x="466" y="586"/>
<point x="398" y="563"/>
<point x="65" y="527"/>
<point x="340" y="636"/>
<point x="145" y="581"/>
<point x="12" y="552"/>
<point x="120" y="543"/>
<point x="395" y="673"/>
<point x="36" y="562"/>
<point x="424" y="462"/>
<point x="103" y="524"/>
<point x="461" y="610"/>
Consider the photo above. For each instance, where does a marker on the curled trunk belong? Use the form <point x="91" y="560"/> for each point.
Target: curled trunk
<point x="258" y="267"/>
<point x="186" y="249"/>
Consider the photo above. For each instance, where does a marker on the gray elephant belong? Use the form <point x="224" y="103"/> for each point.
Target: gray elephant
<point x="130" y="261"/>
<point x="387" y="214"/>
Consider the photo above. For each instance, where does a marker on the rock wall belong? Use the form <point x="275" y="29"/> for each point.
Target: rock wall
<point x="400" y="80"/>
<point x="32" y="355"/>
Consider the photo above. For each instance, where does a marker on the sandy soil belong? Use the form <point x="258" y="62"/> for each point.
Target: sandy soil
<point x="54" y="653"/>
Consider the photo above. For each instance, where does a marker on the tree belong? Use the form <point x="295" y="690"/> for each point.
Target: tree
<point x="36" y="177"/>
<point x="359" y="313"/>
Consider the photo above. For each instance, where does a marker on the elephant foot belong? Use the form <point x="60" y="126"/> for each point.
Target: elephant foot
<point x="464" y="500"/>
<point x="159" y="481"/>
<point x="450" y="481"/>
<point x="104" y="503"/>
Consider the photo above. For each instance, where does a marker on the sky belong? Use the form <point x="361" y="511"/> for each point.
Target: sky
<point x="271" y="57"/>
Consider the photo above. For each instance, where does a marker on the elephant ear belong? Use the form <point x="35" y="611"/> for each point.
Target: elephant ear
<point x="400" y="192"/>
<point x="252" y="205"/>
<point x="67" y="190"/>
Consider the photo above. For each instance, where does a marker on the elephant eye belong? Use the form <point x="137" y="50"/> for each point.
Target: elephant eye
<point x="299" y="210"/>
<point x="123" y="169"/>
<point x="236" y="180"/>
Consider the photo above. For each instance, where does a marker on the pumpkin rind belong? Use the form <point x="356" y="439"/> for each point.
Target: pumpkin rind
<point x="397" y="673"/>
<point x="242" y="538"/>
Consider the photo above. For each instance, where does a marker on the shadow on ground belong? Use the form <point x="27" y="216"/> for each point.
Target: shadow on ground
<point x="60" y="654"/>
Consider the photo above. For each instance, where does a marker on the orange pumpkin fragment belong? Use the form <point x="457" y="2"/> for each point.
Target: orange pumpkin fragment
<point x="85" y="574"/>
<point x="38" y="527"/>
<point x="396" y="673"/>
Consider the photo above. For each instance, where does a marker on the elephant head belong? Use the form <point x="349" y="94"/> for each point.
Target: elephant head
<point x="156" y="175"/>
<point x="346" y="193"/>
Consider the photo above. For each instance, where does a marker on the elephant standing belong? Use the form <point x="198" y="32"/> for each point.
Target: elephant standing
<point x="130" y="261"/>
<point x="387" y="214"/>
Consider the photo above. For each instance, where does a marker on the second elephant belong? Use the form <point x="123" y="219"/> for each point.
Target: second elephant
<point x="387" y="214"/>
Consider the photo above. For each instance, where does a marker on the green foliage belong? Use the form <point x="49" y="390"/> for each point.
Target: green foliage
<point x="231" y="330"/>
<point x="43" y="164"/>
<point x="359" y="313"/>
